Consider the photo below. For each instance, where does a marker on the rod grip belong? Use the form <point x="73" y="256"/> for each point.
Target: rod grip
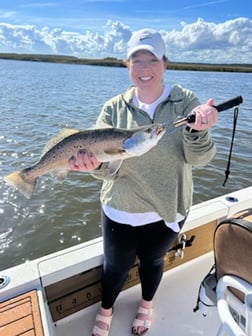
<point x="227" y="104"/>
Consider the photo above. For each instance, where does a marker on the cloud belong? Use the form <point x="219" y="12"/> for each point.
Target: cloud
<point x="210" y="42"/>
<point x="201" y="41"/>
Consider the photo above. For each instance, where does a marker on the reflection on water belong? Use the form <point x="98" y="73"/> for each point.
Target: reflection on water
<point x="39" y="99"/>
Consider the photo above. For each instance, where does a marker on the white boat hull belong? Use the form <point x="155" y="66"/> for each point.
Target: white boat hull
<point x="68" y="289"/>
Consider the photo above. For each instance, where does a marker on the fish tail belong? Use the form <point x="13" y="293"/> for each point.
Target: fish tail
<point x="21" y="183"/>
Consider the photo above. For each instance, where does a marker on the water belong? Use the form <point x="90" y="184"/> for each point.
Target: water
<point x="37" y="100"/>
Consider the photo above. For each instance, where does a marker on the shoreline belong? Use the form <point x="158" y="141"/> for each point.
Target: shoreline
<point x="114" y="62"/>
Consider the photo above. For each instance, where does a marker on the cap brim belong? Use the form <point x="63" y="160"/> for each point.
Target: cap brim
<point x="144" y="47"/>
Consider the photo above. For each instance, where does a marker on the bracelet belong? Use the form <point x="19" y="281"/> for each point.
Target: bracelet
<point x="191" y="130"/>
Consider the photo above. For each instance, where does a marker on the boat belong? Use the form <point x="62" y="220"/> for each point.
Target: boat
<point x="59" y="294"/>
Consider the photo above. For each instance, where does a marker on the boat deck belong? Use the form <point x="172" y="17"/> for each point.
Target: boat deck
<point x="173" y="307"/>
<point x="66" y="282"/>
<point x="21" y="316"/>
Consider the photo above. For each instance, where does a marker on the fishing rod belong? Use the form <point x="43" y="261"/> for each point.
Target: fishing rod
<point x="225" y="105"/>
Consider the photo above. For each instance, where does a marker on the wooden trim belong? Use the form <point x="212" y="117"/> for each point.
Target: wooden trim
<point x="21" y="316"/>
<point x="202" y="244"/>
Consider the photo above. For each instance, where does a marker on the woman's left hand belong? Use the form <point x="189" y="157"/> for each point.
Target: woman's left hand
<point x="206" y="116"/>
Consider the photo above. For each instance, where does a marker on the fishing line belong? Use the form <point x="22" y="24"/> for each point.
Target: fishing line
<point x="227" y="171"/>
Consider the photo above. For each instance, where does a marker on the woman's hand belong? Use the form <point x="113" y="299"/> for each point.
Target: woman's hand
<point x="84" y="161"/>
<point x="206" y="116"/>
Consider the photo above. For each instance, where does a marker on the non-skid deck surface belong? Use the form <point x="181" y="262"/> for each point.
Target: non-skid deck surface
<point x="173" y="307"/>
<point x="21" y="316"/>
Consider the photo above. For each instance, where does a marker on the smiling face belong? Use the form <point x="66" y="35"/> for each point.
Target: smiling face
<point x="146" y="72"/>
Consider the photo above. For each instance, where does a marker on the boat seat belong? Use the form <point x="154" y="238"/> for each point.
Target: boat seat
<point x="235" y="315"/>
<point x="21" y="316"/>
<point x="233" y="265"/>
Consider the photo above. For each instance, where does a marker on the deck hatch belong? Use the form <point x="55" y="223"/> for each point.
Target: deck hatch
<point x="21" y="316"/>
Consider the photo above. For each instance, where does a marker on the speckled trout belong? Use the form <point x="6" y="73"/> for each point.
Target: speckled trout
<point x="107" y="144"/>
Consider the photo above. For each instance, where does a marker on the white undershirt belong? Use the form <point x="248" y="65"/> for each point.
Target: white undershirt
<point x="138" y="219"/>
<point x="150" y="108"/>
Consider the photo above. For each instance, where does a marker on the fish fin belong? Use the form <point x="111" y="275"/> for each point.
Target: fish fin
<point x="60" y="175"/>
<point x="18" y="181"/>
<point x="114" y="166"/>
<point x="58" y="137"/>
<point x="102" y="125"/>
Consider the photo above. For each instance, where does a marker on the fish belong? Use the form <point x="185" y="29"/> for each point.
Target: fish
<point x="112" y="145"/>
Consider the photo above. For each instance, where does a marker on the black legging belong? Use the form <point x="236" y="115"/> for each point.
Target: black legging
<point x="122" y="243"/>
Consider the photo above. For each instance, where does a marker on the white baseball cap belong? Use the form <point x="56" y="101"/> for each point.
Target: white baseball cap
<point x="147" y="39"/>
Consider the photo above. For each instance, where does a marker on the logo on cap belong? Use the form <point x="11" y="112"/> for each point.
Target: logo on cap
<point x="145" y="37"/>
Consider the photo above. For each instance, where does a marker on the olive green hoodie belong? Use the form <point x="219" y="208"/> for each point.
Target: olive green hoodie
<point x="161" y="179"/>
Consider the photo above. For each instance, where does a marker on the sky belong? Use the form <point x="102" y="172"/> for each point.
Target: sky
<point x="211" y="31"/>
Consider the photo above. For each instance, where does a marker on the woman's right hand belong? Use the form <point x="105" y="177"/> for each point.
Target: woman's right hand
<point x="84" y="161"/>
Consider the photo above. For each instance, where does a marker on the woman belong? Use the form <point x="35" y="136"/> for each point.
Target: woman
<point x="146" y="202"/>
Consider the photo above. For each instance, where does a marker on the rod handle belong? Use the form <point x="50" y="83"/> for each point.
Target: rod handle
<point x="227" y="104"/>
